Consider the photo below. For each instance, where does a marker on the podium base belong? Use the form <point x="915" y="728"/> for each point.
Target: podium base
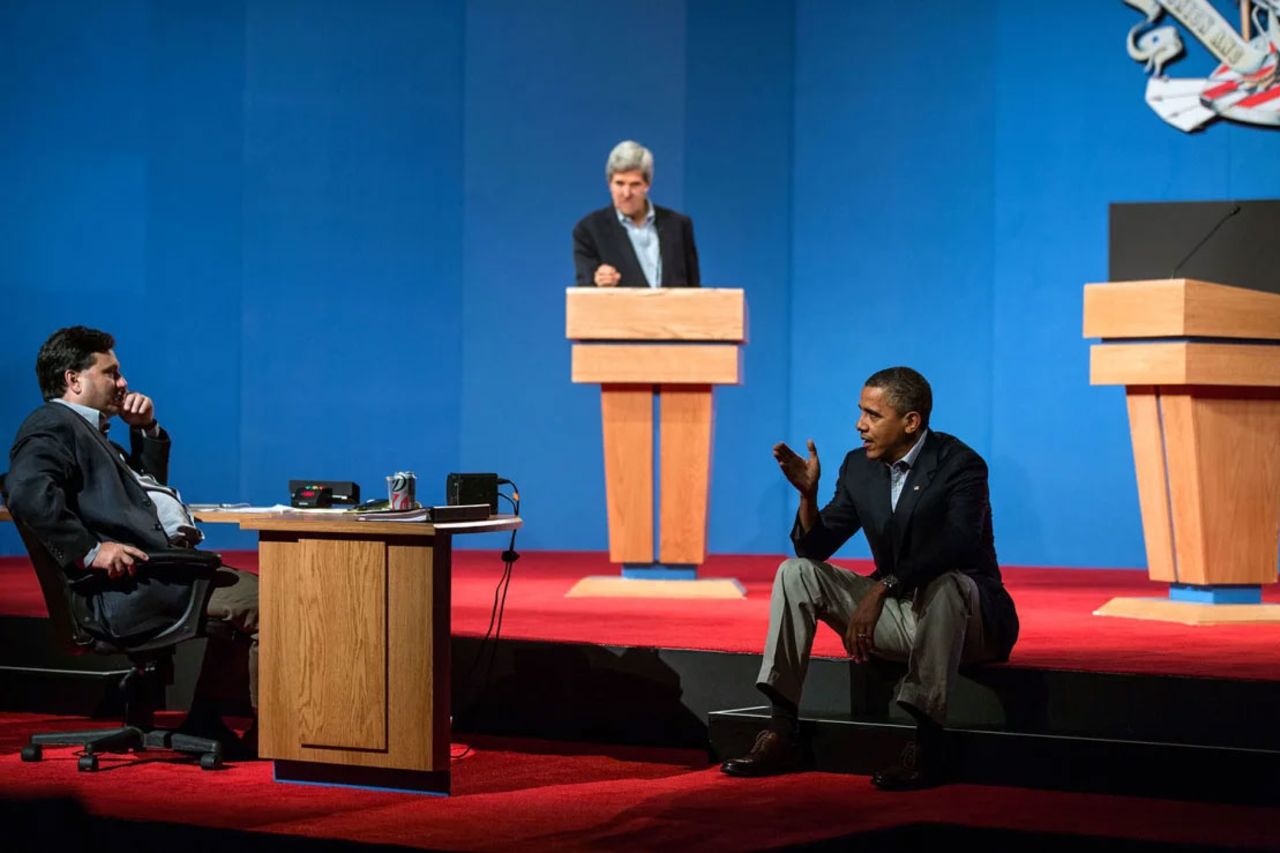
<point x="1187" y="613"/>
<point x="660" y="571"/>
<point x="609" y="586"/>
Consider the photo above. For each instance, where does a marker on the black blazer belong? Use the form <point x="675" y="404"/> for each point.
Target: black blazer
<point x="942" y="524"/>
<point x="599" y="238"/>
<point x="67" y="483"/>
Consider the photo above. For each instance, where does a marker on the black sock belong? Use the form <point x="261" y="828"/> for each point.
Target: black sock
<point x="927" y="730"/>
<point x="784" y="718"/>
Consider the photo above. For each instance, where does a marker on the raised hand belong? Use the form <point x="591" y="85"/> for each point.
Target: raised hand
<point x="801" y="473"/>
<point x="137" y="410"/>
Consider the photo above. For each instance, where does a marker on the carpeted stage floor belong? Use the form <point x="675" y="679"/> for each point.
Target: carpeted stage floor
<point x="541" y="795"/>
<point x="1056" y="606"/>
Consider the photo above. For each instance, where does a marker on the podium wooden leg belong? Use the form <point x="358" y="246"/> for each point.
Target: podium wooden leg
<point x="627" y="414"/>
<point x="1153" y="482"/>
<point x="1208" y="463"/>
<point x="685" y="433"/>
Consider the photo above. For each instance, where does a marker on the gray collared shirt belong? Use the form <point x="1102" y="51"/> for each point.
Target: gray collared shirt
<point x="171" y="512"/>
<point x="644" y="239"/>
<point x="899" y="470"/>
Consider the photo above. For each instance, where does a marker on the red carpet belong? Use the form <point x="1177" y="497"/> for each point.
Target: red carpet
<point x="1056" y="605"/>
<point x="535" y="795"/>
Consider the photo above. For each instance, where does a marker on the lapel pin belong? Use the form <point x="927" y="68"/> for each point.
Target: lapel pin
<point x="916" y="489"/>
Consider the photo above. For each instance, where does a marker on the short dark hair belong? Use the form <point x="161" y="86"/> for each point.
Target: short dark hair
<point x="71" y="348"/>
<point x="904" y="389"/>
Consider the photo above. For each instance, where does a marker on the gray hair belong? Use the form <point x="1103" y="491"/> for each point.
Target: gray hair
<point x="904" y="389"/>
<point x="629" y="156"/>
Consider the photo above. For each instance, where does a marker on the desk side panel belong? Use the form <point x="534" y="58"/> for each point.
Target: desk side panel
<point x="325" y="606"/>
<point x="419" y="655"/>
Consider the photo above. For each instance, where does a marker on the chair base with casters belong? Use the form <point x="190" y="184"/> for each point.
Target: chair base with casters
<point x="143" y="689"/>
<point x="151" y="655"/>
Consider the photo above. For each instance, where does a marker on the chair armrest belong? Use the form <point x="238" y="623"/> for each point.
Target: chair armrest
<point x="186" y="560"/>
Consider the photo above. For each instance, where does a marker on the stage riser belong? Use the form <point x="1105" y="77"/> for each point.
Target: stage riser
<point x="1141" y="768"/>
<point x="90" y="694"/>
<point x="664" y="696"/>
<point x="37" y="675"/>
<point x="657" y="697"/>
<point x="29" y="642"/>
<point x="1175" y="709"/>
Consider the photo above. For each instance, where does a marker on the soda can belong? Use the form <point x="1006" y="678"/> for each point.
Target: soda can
<point x="401" y="487"/>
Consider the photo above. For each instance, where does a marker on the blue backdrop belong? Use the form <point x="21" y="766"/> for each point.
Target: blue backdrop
<point x="332" y="237"/>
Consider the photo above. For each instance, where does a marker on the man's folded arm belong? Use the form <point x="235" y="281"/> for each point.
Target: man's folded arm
<point x="150" y="453"/>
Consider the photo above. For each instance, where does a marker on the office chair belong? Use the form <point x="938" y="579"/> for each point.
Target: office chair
<point x="151" y="656"/>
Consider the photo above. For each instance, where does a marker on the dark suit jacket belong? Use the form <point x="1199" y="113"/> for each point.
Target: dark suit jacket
<point x="599" y="238"/>
<point x="67" y="483"/>
<point x="942" y="524"/>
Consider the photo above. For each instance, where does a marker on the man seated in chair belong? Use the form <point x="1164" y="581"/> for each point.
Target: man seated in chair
<point x="97" y="508"/>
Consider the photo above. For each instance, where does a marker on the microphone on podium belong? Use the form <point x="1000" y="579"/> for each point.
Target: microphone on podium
<point x="1214" y="230"/>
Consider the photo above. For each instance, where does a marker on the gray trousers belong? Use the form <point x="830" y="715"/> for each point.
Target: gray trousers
<point x="933" y="633"/>
<point x="227" y="663"/>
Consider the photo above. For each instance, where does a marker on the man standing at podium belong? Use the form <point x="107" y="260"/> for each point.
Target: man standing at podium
<point x="633" y="242"/>
<point x="935" y="599"/>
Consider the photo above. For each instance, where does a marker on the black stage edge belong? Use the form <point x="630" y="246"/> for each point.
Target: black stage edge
<point x="59" y="691"/>
<point x="1174" y="771"/>
<point x="351" y="776"/>
<point x="577" y="691"/>
<point x="36" y="674"/>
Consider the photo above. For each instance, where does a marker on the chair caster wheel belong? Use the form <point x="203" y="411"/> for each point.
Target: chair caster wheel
<point x="87" y="764"/>
<point x="32" y="752"/>
<point x="210" y="761"/>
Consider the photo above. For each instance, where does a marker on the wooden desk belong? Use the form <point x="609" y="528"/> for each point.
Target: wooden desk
<point x="353" y="656"/>
<point x="353" y="662"/>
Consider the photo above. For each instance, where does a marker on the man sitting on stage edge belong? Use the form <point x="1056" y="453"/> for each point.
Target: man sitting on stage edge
<point x="96" y="508"/>
<point x="935" y="599"/>
<point x="633" y="242"/>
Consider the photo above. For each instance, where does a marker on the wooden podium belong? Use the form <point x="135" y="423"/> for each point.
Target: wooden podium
<point x="1200" y="363"/>
<point x="667" y="346"/>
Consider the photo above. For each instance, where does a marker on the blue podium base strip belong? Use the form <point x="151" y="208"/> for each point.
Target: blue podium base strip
<point x="660" y="571"/>
<point x="1242" y="594"/>
<point x="371" y="778"/>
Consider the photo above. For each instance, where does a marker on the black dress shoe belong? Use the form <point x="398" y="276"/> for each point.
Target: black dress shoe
<point x="919" y="766"/>
<point x="234" y="748"/>
<point x="772" y="754"/>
